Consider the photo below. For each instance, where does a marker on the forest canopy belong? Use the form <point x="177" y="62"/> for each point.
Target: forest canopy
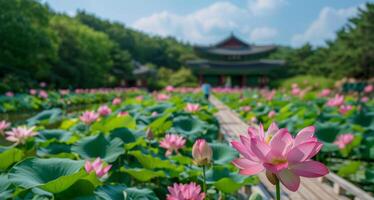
<point x="38" y="44"/>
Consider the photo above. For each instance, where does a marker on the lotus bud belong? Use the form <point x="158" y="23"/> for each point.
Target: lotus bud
<point x="202" y="153"/>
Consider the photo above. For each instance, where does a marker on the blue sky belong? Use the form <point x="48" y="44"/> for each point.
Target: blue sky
<point x="287" y="22"/>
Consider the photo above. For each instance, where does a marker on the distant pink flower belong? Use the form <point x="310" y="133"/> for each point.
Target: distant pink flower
<point x="337" y="101"/>
<point x="246" y="108"/>
<point x="43" y="94"/>
<point x="139" y="98"/>
<point x="9" y="94"/>
<point x="272" y="114"/>
<point x="4" y="125"/>
<point x="104" y="110"/>
<point x="325" y="93"/>
<point x="153" y="114"/>
<point x="43" y="84"/>
<point x="343" y="140"/>
<point x="20" y="134"/>
<point x="368" y="88"/>
<point x="269" y="95"/>
<point x="281" y="155"/>
<point x="98" y="167"/>
<point x="162" y="97"/>
<point x="123" y="113"/>
<point x="33" y="92"/>
<point x="201" y="152"/>
<point x="345" y="108"/>
<point x="88" y="117"/>
<point x="295" y="91"/>
<point x="64" y="92"/>
<point x="116" y="101"/>
<point x="169" y="88"/>
<point x="171" y="143"/>
<point x="364" y="99"/>
<point x="180" y="191"/>
<point x="190" y="107"/>
<point x="294" y="85"/>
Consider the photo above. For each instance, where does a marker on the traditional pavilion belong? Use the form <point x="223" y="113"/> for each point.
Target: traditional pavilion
<point x="234" y="63"/>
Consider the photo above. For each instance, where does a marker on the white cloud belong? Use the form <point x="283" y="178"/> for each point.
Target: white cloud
<point x="263" y="33"/>
<point x="208" y="24"/>
<point x="325" y="26"/>
<point x="264" y="7"/>
<point x="199" y="26"/>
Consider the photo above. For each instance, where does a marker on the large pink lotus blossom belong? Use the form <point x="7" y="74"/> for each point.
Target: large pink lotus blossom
<point x="325" y="93"/>
<point x="180" y="191"/>
<point x="171" y="143"/>
<point x="98" y="167"/>
<point x="116" y="101"/>
<point x="4" y="125"/>
<point x="368" y="88"/>
<point x="88" y="117"/>
<point x="169" y="88"/>
<point x="162" y="97"/>
<point x="344" y="109"/>
<point x="20" y="134"/>
<point x="337" y="101"/>
<point x="202" y="153"/>
<point x="104" y="110"/>
<point x="343" y="140"/>
<point x="190" y="107"/>
<point x="281" y="155"/>
<point x="43" y="94"/>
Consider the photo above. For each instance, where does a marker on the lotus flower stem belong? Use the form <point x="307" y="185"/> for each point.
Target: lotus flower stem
<point x="277" y="189"/>
<point x="204" y="177"/>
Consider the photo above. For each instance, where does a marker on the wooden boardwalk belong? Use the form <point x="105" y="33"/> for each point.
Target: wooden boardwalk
<point x="331" y="187"/>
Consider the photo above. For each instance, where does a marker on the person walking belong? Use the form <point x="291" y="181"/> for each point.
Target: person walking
<point x="206" y="90"/>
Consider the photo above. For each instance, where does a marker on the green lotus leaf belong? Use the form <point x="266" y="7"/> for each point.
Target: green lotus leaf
<point x="143" y="194"/>
<point x="151" y="162"/>
<point x="99" y="146"/>
<point x="9" y="157"/>
<point x="113" y="122"/>
<point x="46" y="117"/>
<point x="223" y="153"/>
<point x="142" y="174"/>
<point x="53" y="134"/>
<point x="52" y="175"/>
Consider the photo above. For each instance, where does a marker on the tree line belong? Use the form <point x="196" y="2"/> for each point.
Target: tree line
<point x="40" y="45"/>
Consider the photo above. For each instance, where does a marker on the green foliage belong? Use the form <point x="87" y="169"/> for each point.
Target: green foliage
<point x="304" y="81"/>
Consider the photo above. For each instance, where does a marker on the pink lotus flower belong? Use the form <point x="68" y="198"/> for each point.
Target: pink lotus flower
<point x="368" y="88"/>
<point x="343" y="140"/>
<point x="154" y="114"/>
<point x="180" y="191"/>
<point x="104" y="110"/>
<point x="98" y="167"/>
<point x="4" y="125"/>
<point x="190" y="107"/>
<point x="201" y="152"/>
<point x="364" y="99"/>
<point x="246" y="108"/>
<point x="43" y="94"/>
<point x="88" y="117"/>
<point x="325" y="93"/>
<point x="64" y="92"/>
<point x="281" y="155"/>
<point x="337" y="101"/>
<point x="43" y="84"/>
<point x="123" y="113"/>
<point x="162" y="97"/>
<point x="272" y="114"/>
<point x="33" y="92"/>
<point x="169" y="88"/>
<point x="269" y="95"/>
<point x="20" y="134"/>
<point x="171" y="143"/>
<point x="139" y="98"/>
<point x="295" y="91"/>
<point x="116" y="101"/>
<point x="9" y="94"/>
<point x="344" y="109"/>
